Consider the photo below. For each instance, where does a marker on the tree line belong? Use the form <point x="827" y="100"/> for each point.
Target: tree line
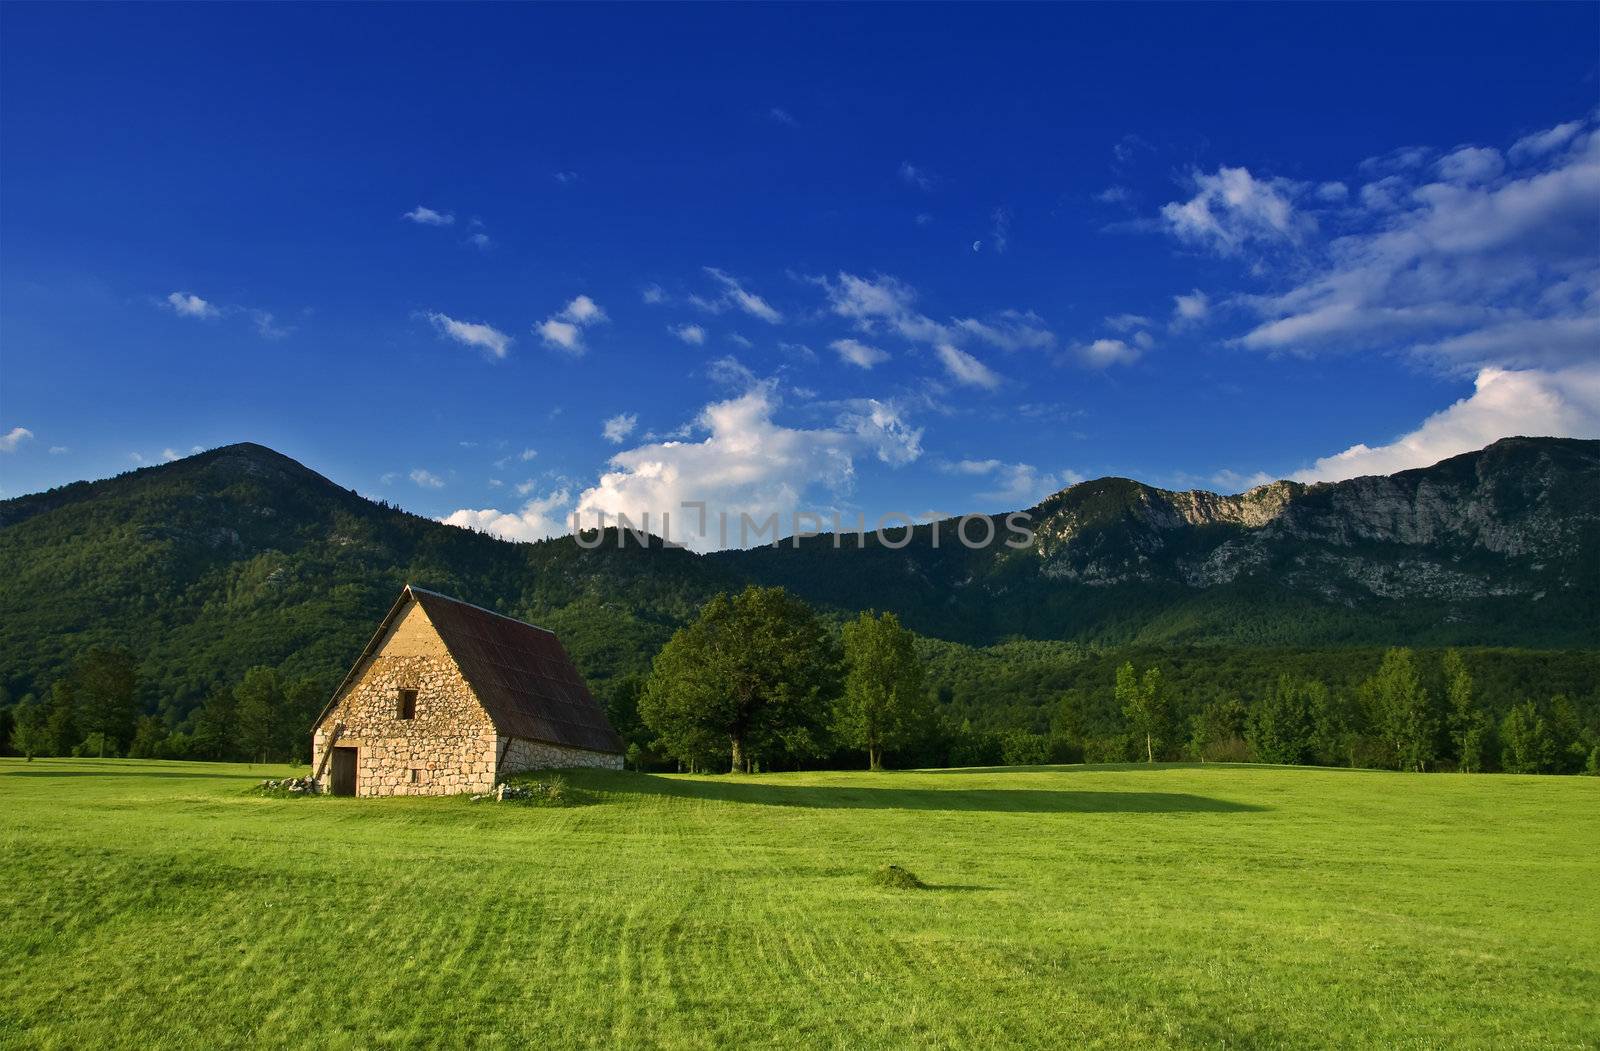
<point x="93" y="711"/>
<point x="758" y="681"/>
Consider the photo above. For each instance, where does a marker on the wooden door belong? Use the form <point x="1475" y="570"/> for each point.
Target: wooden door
<point x="344" y="771"/>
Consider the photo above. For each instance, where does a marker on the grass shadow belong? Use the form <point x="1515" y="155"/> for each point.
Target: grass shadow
<point x="991" y="800"/>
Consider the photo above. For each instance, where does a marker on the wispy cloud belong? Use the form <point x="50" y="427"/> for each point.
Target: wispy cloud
<point x="921" y="178"/>
<point x="186" y="304"/>
<point x="426" y="479"/>
<point x="691" y="334"/>
<point x="618" y="427"/>
<point x="855" y="352"/>
<point x="779" y="115"/>
<point x="735" y="294"/>
<point x="485" y="337"/>
<point x="565" y="177"/>
<point x="966" y="369"/>
<point x="425" y="216"/>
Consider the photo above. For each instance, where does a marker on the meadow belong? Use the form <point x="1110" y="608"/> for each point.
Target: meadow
<point x="164" y="904"/>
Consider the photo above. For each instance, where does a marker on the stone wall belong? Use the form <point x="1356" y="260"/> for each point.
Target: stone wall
<point x="449" y="747"/>
<point x="519" y="754"/>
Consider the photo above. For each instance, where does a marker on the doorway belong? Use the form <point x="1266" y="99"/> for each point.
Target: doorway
<point x="344" y="772"/>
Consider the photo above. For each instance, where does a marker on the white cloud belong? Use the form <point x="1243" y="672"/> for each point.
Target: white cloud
<point x="735" y="294"/>
<point x="1540" y="143"/>
<point x="782" y="116"/>
<point x="1114" y="195"/>
<point x="1127" y="322"/>
<point x="618" y="427"/>
<point x="538" y="519"/>
<point x="564" y="329"/>
<point x="882" y="301"/>
<point x="15" y="437"/>
<point x="1190" y="308"/>
<point x="388" y="477"/>
<point x="480" y="241"/>
<point x="1232" y="208"/>
<point x="1230" y="481"/>
<point x="424" y="216"/>
<point x="921" y="178"/>
<point x="966" y="369"/>
<point x="1471" y="164"/>
<point x="1472" y="274"/>
<point x="1014" y="485"/>
<point x="485" y="337"/>
<point x="1333" y="192"/>
<point x="1105" y="352"/>
<point x="855" y="352"/>
<point x="1530" y="403"/>
<point x="426" y="479"/>
<point x="653" y="294"/>
<point x="55" y="450"/>
<point x="565" y="177"/>
<point x="267" y="325"/>
<point x="736" y="338"/>
<point x="1000" y="229"/>
<point x="527" y="454"/>
<point x="1009" y="330"/>
<point x="747" y="463"/>
<point x="185" y="304"/>
<point x="692" y="334"/>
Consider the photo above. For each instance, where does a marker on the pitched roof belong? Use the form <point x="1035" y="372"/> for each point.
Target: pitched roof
<point x="520" y="673"/>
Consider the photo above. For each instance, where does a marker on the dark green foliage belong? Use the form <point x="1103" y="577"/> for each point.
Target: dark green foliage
<point x="1469" y="724"/>
<point x="1217" y="732"/>
<point x="884" y="699"/>
<point x="1021" y="748"/>
<point x="1281" y="725"/>
<point x="103" y="690"/>
<point x="753" y="675"/>
<point x="1400" y="710"/>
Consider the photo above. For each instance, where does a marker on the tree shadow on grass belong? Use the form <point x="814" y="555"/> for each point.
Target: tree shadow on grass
<point x="993" y="800"/>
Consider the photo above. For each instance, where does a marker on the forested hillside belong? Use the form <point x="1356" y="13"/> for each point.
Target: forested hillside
<point x="241" y="557"/>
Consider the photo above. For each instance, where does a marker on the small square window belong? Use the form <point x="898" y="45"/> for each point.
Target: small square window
<point x="408" y="704"/>
<point x="416" y="775"/>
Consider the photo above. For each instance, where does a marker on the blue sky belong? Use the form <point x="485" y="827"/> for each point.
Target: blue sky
<point x="500" y="263"/>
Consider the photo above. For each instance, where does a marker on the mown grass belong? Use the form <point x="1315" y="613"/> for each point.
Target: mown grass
<point x="163" y="904"/>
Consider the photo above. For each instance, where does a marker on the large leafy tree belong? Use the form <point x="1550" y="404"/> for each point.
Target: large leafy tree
<point x="259" y="708"/>
<point x="884" y="690"/>
<point x="756" y="673"/>
<point x="1529" y="748"/>
<point x="103" y="683"/>
<point x="1281" y="727"/>
<point x="1401" y="711"/>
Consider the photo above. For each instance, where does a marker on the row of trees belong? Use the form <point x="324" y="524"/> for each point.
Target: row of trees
<point x="1390" y="719"/>
<point x="758" y="681"/>
<point x="92" y="711"/>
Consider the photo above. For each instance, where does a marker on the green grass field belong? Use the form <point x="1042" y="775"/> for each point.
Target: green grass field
<point x="163" y="904"/>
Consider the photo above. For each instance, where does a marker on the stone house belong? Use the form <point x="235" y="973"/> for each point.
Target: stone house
<point x="449" y="697"/>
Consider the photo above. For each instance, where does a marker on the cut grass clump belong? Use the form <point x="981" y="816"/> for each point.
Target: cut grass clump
<point x="896" y="878"/>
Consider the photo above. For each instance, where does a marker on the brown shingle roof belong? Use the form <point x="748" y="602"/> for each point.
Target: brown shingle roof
<point x="521" y="674"/>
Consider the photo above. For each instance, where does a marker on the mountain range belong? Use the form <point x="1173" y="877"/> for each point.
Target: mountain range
<point x="240" y="556"/>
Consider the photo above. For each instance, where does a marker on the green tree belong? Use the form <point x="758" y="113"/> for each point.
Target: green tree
<point x="259" y="702"/>
<point x="30" y="728"/>
<point x="883" y="698"/>
<point x="1144" y="705"/>
<point x="149" y="738"/>
<point x="1024" y="748"/>
<point x="104" y="681"/>
<point x="1529" y="748"/>
<point x="757" y="672"/>
<point x="1401" y="712"/>
<point x="61" y="726"/>
<point x="1280" y="728"/>
<point x="211" y="726"/>
<point x="1216" y="729"/>
<point x="1469" y="724"/>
